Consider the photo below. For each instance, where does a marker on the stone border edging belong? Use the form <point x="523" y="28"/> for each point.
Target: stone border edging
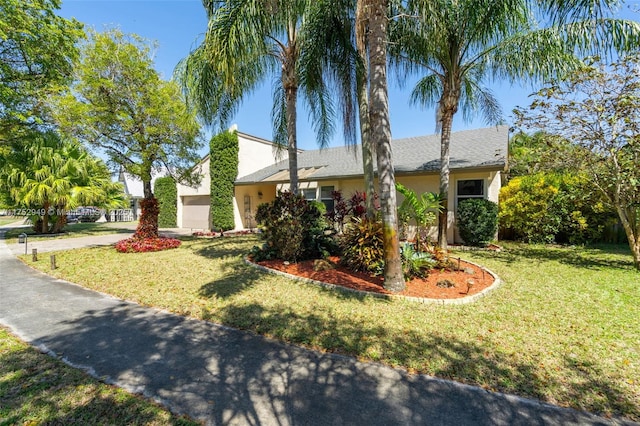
<point x="497" y="282"/>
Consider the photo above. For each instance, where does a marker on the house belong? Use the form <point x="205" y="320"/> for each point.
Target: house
<point x="478" y="158"/>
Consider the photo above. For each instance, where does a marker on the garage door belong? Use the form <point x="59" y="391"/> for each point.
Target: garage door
<point x="195" y="212"/>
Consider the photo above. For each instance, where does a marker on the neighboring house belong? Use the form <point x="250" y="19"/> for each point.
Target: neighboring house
<point x="478" y="157"/>
<point x="134" y="190"/>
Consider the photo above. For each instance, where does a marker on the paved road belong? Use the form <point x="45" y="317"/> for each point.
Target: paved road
<point x="224" y="376"/>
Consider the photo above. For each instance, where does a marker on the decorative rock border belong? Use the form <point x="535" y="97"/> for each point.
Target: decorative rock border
<point x="497" y="282"/>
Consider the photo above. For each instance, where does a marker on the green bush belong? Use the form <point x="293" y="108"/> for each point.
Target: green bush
<point x="166" y="193"/>
<point x="477" y="221"/>
<point x="223" y="163"/>
<point x="547" y="207"/>
<point x="292" y="229"/>
<point x="362" y="246"/>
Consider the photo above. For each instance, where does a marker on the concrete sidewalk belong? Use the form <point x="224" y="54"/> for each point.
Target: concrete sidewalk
<point x="225" y="376"/>
<point x="45" y="245"/>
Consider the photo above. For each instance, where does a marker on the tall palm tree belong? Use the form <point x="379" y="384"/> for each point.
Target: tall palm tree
<point x="463" y="43"/>
<point x="247" y="41"/>
<point x="377" y="17"/>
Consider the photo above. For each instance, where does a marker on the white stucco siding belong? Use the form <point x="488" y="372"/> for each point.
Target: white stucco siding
<point x="255" y="154"/>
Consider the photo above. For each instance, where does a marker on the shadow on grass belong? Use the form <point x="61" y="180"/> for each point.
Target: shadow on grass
<point x="217" y="247"/>
<point x="224" y="376"/>
<point x="456" y="360"/>
<point x="596" y="257"/>
<point x="56" y="394"/>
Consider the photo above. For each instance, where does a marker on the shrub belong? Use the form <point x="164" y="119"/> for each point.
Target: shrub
<point x="362" y="246"/>
<point x="477" y="221"/>
<point x="346" y="209"/>
<point x="223" y="162"/>
<point x="548" y="207"/>
<point x="292" y="228"/>
<point x="144" y="245"/>
<point x="166" y="192"/>
<point x="415" y="263"/>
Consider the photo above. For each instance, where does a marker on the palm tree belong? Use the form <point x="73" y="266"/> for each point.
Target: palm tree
<point x="247" y="41"/>
<point x="463" y="43"/>
<point x="376" y="12"/>
<point x="51" y="176"/>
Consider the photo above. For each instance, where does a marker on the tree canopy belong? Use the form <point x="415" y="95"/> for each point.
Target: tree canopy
<point x="37" y="53"/>
<point x="597" y="109"/>
<point x="120" y="105"/>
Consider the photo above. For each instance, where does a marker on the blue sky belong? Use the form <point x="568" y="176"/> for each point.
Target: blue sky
<point x="177" y="27"/>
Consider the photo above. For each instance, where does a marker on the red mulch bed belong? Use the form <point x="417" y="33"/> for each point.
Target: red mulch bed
<point x="418" y="287"/>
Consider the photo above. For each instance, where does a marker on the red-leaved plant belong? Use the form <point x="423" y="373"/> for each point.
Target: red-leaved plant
<point x="144" y="245"/>
<point x="148" y="225"/>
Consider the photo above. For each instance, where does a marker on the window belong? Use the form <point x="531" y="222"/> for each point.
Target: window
<point x="309" y="193"/>
<point x="472" y="188"/>
<point x="326" y="197"/>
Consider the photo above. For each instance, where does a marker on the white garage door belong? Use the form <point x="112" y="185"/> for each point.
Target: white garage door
<point x="195" y="212"/>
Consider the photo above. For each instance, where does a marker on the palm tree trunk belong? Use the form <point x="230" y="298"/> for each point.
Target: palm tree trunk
<point x="290" y="85"/>
<point x="381" y="139"/>
<point x="362" y="77"/>
<point x="445" y="141"/>
<point x="291" y="95"/>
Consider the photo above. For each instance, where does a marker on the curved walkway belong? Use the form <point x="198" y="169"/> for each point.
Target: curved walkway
<point x="225" y="376"/>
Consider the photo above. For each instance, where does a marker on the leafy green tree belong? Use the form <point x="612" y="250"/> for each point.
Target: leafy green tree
<point x="462" y="44"/>
<point x="37" y="52"/>
<point x="246" y="42"/>
<point x="120" y="105"/>
<point x="223" y="163"/>
<point x="597" y="108"/>
<point x="49" y="176"/>
<point x="166" y="192"/>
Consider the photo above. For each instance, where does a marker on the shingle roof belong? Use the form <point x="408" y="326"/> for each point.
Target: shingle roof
<point x="469" y="149"/>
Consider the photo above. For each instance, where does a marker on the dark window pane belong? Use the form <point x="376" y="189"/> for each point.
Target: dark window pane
<point x="309" y="193"/>
<point x="329" y="204"/>
<point x="470" y="187"/>
<point x="325" y="192"/>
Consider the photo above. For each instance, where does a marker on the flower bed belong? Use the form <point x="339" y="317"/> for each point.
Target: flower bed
<point x="144" y="245"/>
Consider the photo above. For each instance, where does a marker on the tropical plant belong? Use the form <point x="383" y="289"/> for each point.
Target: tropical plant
<point x="461" y="44"/>
<point x="416" y="263"/>
<point x="37" y="53"/>
<point x="363" y="246"/>
<point x="120" y="105"/>
<point x="52" y="176"/>
<point x="246" y="42"/>
<point x="292" y="229"/>
<point x="597" y="109"/>
<point x="421" y="209"/>
<point x="477" y="221"/>
<point x="223" y="166"/>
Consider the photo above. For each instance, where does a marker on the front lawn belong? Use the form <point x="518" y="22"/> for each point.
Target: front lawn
<point x="5" y="220"/>
<point x="36" y="389"/>
<point x="564" y="327"/>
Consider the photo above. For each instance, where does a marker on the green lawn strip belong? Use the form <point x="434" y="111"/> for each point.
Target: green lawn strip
<point x="38" y="389"/>
<point x="73" y="230"/>
<point x="563" y="328"/>
<point x="5" y="220"/>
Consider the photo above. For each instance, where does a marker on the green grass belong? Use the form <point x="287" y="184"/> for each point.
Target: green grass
<point x="564" y="328"/>
<point x="74" y="230"/>
<point x="38" y="389"/>
<point x="5" y="220"/>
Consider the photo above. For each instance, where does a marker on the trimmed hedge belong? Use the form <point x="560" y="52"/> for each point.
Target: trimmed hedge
<point x="166" y="192"/>
<point x="223" y="162"/>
